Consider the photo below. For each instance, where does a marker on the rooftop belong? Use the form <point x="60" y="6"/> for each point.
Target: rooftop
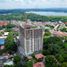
<point x="6" y="33"/>
<point x="39" y="64"/>
<point x="59" y="33"/>
<point x="65" y="22"/>
<point x="30" y="25"/>
<point x="39" y="56"/>
<point x="2" y="41"/>
<point x="2" y="23"/>
<point x="8" y="63"/>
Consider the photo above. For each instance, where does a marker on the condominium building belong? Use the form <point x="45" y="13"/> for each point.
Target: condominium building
<point x="31" y="38"/>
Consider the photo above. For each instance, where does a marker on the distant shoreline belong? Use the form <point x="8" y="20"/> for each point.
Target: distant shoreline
<point x="57" y="10"/>
<point x="49" y="13"/>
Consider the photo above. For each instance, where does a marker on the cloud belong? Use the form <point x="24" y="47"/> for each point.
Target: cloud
<point x="10" y="4"/>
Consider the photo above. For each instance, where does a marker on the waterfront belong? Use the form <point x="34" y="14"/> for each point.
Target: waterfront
<point x="49" y="13"/>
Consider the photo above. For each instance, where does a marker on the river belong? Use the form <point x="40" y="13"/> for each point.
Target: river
<point x="49" y="13"/>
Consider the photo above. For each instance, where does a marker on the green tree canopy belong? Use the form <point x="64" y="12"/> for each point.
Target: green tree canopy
<point x="17" y="59"/>
<point x="10" y="45"/>
<point x="51" y="61"/>
<point x="64" y="64"/>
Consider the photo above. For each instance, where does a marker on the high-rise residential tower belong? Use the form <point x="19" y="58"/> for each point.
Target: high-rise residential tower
<point x="31" y="38"/>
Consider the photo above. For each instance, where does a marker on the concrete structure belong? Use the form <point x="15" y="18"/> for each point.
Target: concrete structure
<point x="8" y="63"/>
<point x="6" y="33"/>
<point x="31" y="38"/>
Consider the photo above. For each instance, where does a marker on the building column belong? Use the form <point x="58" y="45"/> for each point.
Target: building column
<point x="33" y="40"/>
<point x="25" y="42"/>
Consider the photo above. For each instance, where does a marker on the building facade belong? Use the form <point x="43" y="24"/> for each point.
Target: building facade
<point x="31" y="39"/>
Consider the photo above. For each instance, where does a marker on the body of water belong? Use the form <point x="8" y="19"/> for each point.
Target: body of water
<point x="49" y="13"/>
<point x="2" y="41"/>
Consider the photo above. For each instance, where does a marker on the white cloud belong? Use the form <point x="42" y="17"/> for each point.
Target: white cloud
<point x="32" y="3"/>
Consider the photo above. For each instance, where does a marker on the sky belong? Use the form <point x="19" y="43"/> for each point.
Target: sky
<point x="18" y="4"/>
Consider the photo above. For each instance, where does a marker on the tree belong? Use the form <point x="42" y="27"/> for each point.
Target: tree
<point x="17" y="59"/>
<point x="60" y="58"/>
<point x="10" y="45"/>
<point x="29" y="63"/>
<point x="47" y="34"/>
<point x="53" y="40"/>
<point x="1" y="33"/>
<point x="65" y="56"/>
<point x="9" y="27"/>
<point x="51" y="47"/>
<point x="8" y="66"/>
<point x="64" y="64"/>
<point x="18" y="65"/>
<point x="51" y="61"/>
<point x="64" y="29"/>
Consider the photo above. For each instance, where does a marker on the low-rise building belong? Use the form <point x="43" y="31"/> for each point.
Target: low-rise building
<point x="39" y="64"/>
<point x="39" y="56"/>
<point x="59" y="33"/>
<point x="3" y="23"/>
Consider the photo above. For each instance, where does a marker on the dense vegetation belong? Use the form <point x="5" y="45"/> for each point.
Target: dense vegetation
<point x="64" y="29"/>
<point x="10" y="45"/>
<point x="55" y="50"/>
<point x="33" y="17"/>
<point x="7" y="28"/>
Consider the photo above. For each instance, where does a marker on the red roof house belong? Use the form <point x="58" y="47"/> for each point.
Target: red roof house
<point x="65" y="22"/>
<point x="39" y="56"/>
<point x="3" y="23"/>
<point x="39" y="64"/>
